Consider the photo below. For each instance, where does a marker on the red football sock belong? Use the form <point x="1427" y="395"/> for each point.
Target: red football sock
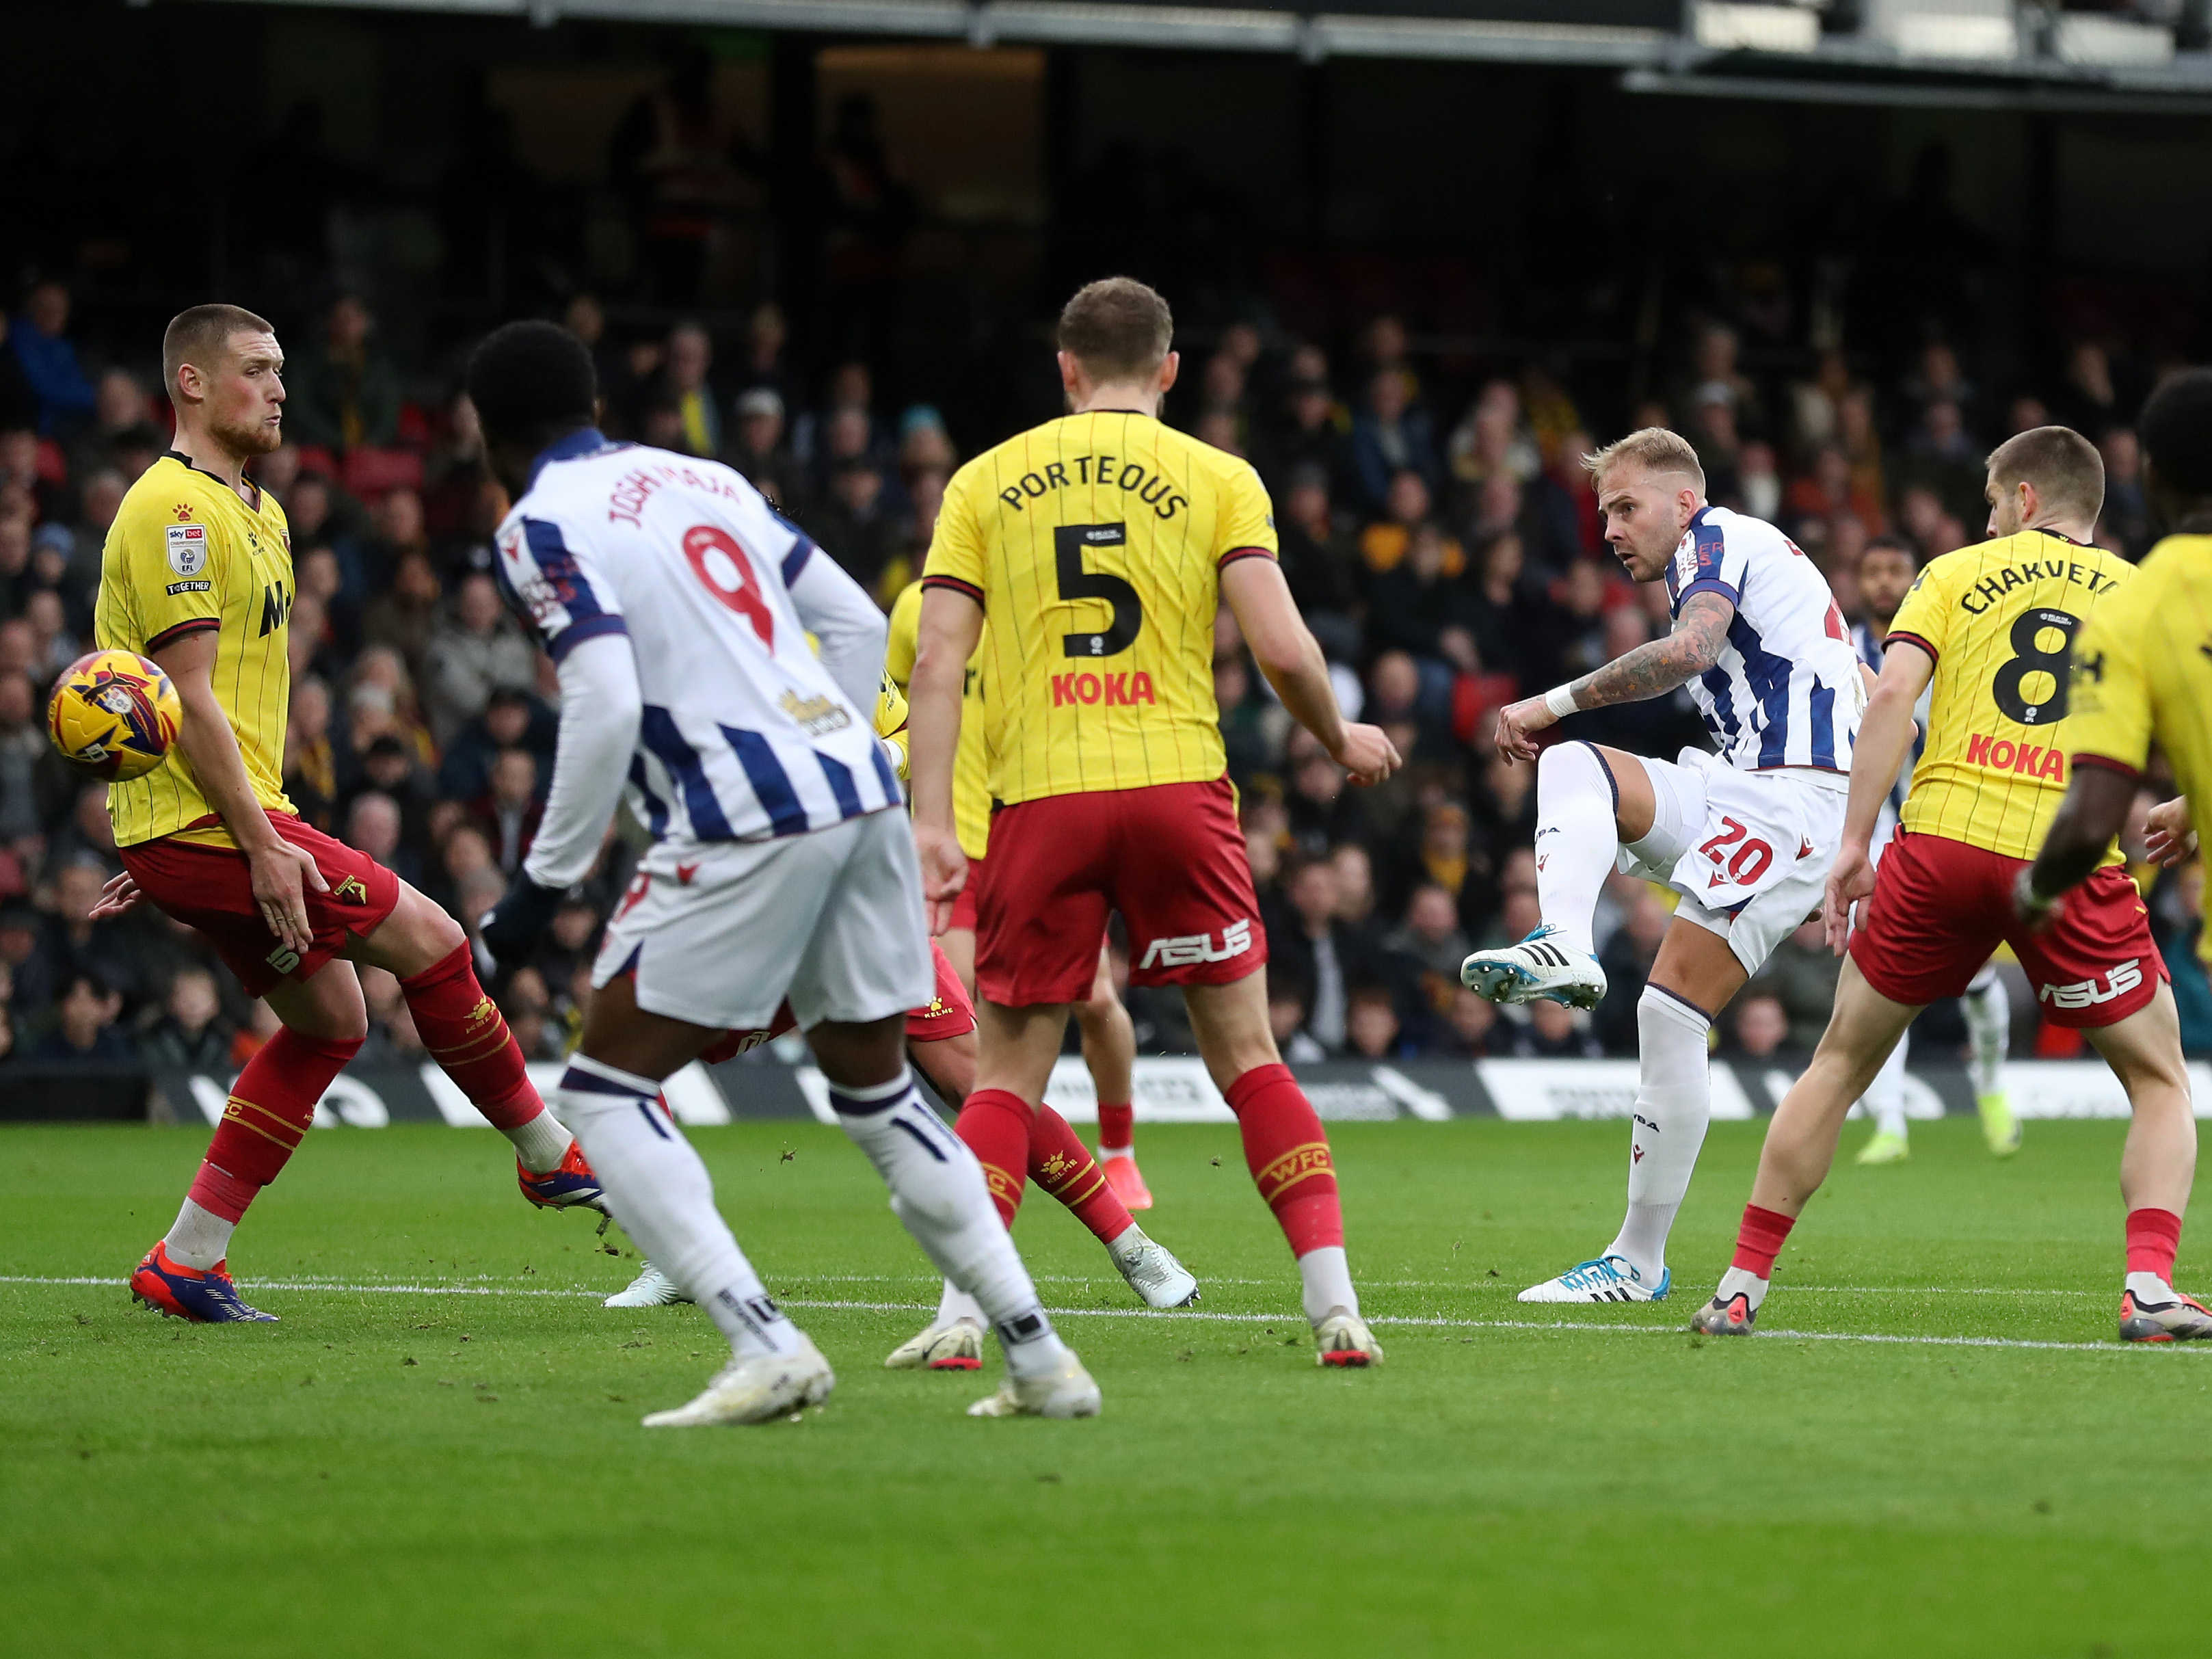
<point x="1062" y="1166"/>
<point x="1759" y="1240"/>
<point x="1287" y="1152"/>
<point x="271" y="1105"/>
<point x="2154" y="1238"/>
<point x="1117" y="1128"/>
<point x="467" y="1035"/>
<point x="997" y="1123"/>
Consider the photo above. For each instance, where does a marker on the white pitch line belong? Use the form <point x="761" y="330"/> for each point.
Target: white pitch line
<point x="1431" y="1321"/>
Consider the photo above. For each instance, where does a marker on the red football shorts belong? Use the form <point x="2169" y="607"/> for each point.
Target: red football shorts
<point x="963" y="901"/>
<point x="1940" y="906"/>
<point x="1170" y="858"/>
<point x="211" y="888"/>
<point x="948" y="1014"/>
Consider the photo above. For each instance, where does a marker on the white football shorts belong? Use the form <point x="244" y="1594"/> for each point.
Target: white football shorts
<point x="1749" y="851"/>
<point x="720" y="933"/>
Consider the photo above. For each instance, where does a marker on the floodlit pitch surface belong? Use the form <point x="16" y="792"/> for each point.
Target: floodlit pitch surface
<point x="437" y="1451"/>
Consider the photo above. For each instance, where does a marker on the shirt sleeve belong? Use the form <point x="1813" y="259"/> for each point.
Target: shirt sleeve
<point x="546" y="574"/>
<point x="1247" y="522"/>
<point x="1715" y="565"/>
<point x="177" y="568"/>
<point x="1924" y="617"/>
<point x="2109" y="716"/>
<point x="891" y="724"/>
<point x="955" y="548"/>
<point x="600" y="707"/>
<point x="906" y="636"/>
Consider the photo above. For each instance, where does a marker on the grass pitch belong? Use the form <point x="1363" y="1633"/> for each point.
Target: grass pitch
<point x="456" y="1469"/>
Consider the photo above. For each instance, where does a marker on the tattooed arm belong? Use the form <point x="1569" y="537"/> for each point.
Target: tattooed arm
<point x="1651" y="670"/>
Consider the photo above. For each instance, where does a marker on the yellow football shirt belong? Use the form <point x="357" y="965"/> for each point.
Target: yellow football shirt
<point x="2142" y="669"/>
<point x="186" y="556"/>
<point x="1094" y="544"/>
<point x="971" y="767"/>
<point x="1998" y="618"/>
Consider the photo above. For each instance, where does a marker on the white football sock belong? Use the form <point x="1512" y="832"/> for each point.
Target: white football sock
<point x="956" y="1304"/>
<point x="1989" y="1021"/>
<point x="664" y="1198"/>
<point x="1576" y="842"/>
<point x="200" y="1238"/>
<point x="2148" y="1287"/>
<point x="1743" y="1280"/>
<point x="1674" y="1104"/>
<point x="1326" y="1279"/>
<point x="542" y="1143"/>
<point x="1884" y="1096"/>
<point x="938" y="1192"/>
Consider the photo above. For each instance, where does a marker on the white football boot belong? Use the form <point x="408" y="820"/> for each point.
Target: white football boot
<point x="1153" y="1274"/>
<point x="1067" y="1392"/>
<point x="1605" y="1279"/>
<point x="650" y="1289"/>
<point x="955" y="1345"/>
<point x="757" y="1390"/>
<point x="1538" y="967"/>
<point x="1342" y="1337"/>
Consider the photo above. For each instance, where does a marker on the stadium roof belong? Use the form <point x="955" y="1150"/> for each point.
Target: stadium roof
<point x="1945" y="53"/>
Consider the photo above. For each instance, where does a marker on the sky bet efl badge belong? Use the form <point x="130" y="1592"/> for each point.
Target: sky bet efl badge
<point x="188" y="554"/>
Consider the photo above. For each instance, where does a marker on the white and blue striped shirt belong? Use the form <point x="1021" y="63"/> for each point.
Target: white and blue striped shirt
<point x="1786" y="691"/>
<point x="744" y="733"/>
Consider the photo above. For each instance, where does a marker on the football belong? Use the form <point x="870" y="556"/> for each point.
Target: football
<point x="114" y="715"/>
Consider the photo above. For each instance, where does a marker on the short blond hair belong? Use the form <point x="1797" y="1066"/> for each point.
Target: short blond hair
<point x="1654" y="449"/>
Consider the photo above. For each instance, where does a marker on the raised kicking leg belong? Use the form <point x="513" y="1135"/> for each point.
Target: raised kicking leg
<point x="1591" y="802"/>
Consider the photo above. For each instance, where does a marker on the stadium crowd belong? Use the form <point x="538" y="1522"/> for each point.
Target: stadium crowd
<point x="1440" y="536"/>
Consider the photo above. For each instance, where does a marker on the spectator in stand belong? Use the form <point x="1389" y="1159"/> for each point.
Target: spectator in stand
<point x="1317" y="950"/>
<point x="1510" y="614"/>
<point x="766" y="334"/>
<point x="1429" y="945"/>
<point x="1938" y="378"/>
<point x="758" y="451"/>
<point x="1830" y="492"/>
<point x="1288" y="998"/>
<point x="110" y="951"/>
<point x="475" y="651"/>
<point x="342" y="393"/>
<point x="1390" y="437"/>
<point x="313" y="775"/>
<point x="1758" y="481"/>
<point x="1310" y="431"/>
<point x="405" y="617"/>
<point x="2126" y="518"/>
<point x="30" y="970"/>
<point x="88" y="836"/>
<point x="1373" y="1027"/>
<point x="1322" y="810"/>
<point x="1942" y="456"/>
<point x="53" y="646"/>
<point x="34" y="786"/>
<point x="686" y="386"/>
<point x="391" y="766"/>
<point x="2089" y="398"/>
<point x="84" y="1029"/>
<point x="121" y="434"/>
<point x="1800" y="977"/>
<point x="1554" y="1033"/>
<point x="1627" y="958"/>
<point x="854" y="526"/>
<point x="508" y="810"/>
<point x="1412" y="605"/>
<point x="512" y="718"/>
<point x="1931" y="530"/>
<point x="380" y="669"/>
<point x="1815" y="404"/>
<point x="1758" y="1029"/>
<point x="372" y="824"/>
<point x="852" y="388"/>
<point x="191" y="1034"/>
<point x="39" y="341"/>
<point x="1715" y="381"/>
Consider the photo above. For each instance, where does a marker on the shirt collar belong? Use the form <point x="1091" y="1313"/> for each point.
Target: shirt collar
<point x="584" y="440"/>
<point x="191" y="465"/>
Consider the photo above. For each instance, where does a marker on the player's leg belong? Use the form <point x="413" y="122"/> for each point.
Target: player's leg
<point x="325" y="1021"/>
<point x="1865" y="1027"/>
<point x="1287" y="1152"/>
<point x="465" y="1032"/>
<point x="660" y="1190"/>
<point x="1590" y="802"/>
<point x="1885" y="1104"/>
<point x="1989" y="1023"/>
<point x="1109" y="1049"/>
<point x="866" y="953"/>
<point x="2157" y="1168"/>
<point x="1695" y="974"/>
